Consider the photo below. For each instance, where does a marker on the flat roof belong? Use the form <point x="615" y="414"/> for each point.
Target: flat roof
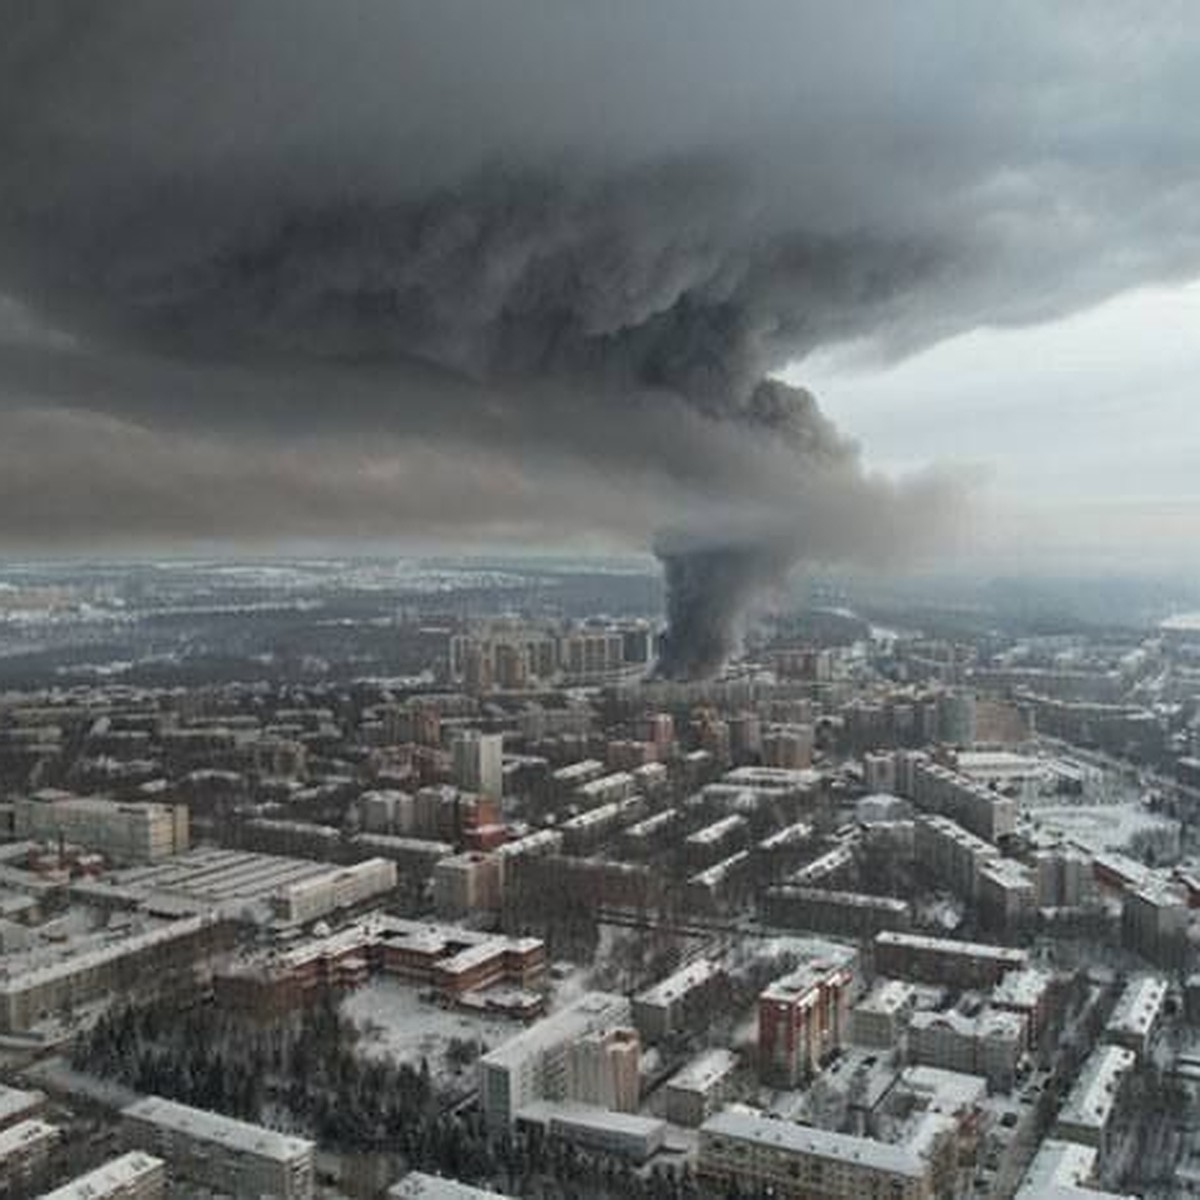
<point x="1091" y="1100"/>
<point x="1059" y="1171"/>
<point x="590" y="1011"/>
<point x="991" y="1023"/>
<point x="25" y="1133"/>
<point x="1139" y="1006"/>
<point x="17" y="977"/>
<point x="888" y="996"/>
<point x="239" y="1136"/>
<point x="849" y="899"/>
<point x="808" y="975"/>
<point x="945" y="1091"/>
<point x="591" y="1116"/>
<point x="716" y="831"/>
<point x="109" y="1179"/>
<point x="916" y="941"/>
<point x="714" y="874"/>
<point x="680" y="982"/>
<point x="14" y="1101"/>
<point x="703" y="1072"/>
<point x="1022" y="989"/>
<point x="416" y="1185"/>
<point x="895" y="1159"/>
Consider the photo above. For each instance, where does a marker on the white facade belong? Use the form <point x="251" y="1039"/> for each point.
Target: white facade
<point x="132" y="1176"/>
<point x="534" y="1065"/>
<point x="220" y="1152"/>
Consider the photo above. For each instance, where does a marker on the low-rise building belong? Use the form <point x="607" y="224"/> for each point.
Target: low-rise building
<point x="16" y="1104"/>
<point x="843" y="914"/>
<point x="219" y="1152"/>
<point x="798" y="1162"/>
<point x="1063" y="1171"/>
<point x="989" y="1043"/>
<point x="1137" y="1013"/>
<point x="620" y="1134"/>
<point x="670" y="1005"/>
<point x="696" y="1092"/>
<point x="1028" y="993"/>
<point x="880" y="1018"/>
<point x="416" y="1185"/>
<point x="132" y="1176"/>
<point x="944" y="961"/>
<point x="1089" y="1114"/>
<point x="154" y="957"/>
<point x="342" y="887"/>
<point x="26" y="1148"/>
<point x="124" y="832"/>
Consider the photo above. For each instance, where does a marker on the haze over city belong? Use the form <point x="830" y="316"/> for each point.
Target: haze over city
<point x="598" y="601"/>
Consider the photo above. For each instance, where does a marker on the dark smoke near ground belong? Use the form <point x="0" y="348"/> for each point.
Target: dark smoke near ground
<point x="565" y="244"/>
<point x="708" y="588"/>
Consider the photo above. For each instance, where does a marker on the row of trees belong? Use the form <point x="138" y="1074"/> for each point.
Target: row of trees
<point x="305" y="1074"/>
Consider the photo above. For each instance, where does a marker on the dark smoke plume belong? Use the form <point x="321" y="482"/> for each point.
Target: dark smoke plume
<point x="708" y="587"/>
<point x="564" y="243"/>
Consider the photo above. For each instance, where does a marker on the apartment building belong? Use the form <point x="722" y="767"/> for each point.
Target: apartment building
<point x="416" y="1185"/>
<point x="125" y="833"/>
<point x="534" y="1065"/>
<point x="132" y="1176"/>
<point x="219" y="1152"/>
<point x="26" y="1150"/>
<point x="802" y="1018"/>
<point x="1093" y="1104"/>
<point x="798" y="1162"/>
<point x="943" y="961"/>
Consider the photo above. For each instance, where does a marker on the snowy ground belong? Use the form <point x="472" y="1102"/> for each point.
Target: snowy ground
<point x="397" y="1023"/>
<point x="1101" y="827"/>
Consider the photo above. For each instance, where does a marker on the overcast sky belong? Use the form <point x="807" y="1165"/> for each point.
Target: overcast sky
<point x="518" y="269"/>
<point x="1084" y="433"/>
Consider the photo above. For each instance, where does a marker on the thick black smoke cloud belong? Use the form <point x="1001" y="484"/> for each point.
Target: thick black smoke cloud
<point x="561" y="242"/>
<point x="707" y="588"/>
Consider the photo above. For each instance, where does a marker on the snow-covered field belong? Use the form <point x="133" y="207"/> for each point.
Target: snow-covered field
<point x="397" y="1023"/>
<point x="1105" y="827"/>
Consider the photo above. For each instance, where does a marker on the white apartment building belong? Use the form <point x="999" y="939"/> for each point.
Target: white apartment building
<point x="126" y="833"/>
<point x="799" y="1162"/>
<point x="1092" y="1104"/>
<point x="219" y="1152"/>
<point x="340" y="887"/>
<point x="534" y="1065"/>
<point x="132" y="1176"/>
<point x="416" y="1185"/>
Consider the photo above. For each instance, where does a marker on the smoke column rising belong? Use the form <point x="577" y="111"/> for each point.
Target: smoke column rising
<point x="564" y="239"/>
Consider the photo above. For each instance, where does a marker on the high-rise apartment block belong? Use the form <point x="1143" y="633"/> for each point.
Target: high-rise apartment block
<point x="479" y="763"/>
<point x="802" y="1018"/>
